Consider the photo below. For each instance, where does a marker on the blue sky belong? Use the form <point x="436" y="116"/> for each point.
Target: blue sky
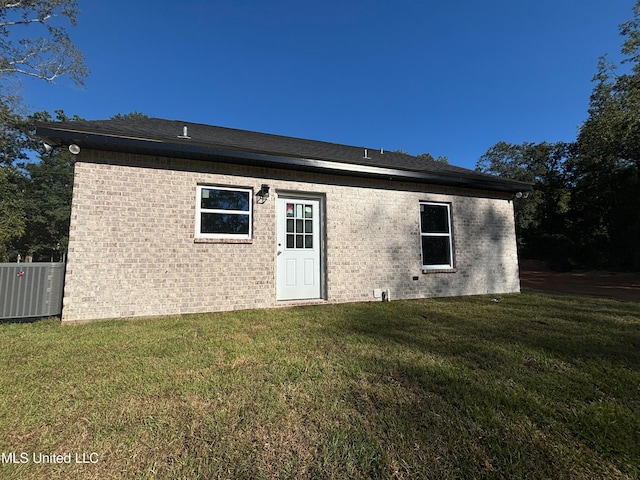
<point x="450" y="78"/>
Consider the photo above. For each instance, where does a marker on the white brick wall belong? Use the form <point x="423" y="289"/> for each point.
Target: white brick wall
<point x="132" y="250"/>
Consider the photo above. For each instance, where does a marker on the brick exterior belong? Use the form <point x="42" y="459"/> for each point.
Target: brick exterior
<point x="133" y="251"/>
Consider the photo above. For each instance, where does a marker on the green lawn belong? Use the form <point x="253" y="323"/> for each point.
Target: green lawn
<point x="523" y="386"/>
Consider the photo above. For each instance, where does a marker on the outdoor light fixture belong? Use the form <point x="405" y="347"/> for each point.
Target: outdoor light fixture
<point x="522" y="195"/>
<point x="75" y="149"/>
<point x="263" y="193"/>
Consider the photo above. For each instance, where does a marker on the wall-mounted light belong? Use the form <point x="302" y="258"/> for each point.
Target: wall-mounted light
<point x="263" y="193"/>
<point x="75" y="149"/>
<point x="522" y="195"/>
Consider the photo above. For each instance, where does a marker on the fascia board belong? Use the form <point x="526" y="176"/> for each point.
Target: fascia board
<point x="132" y="144"/>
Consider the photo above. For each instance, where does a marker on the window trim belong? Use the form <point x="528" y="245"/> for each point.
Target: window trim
<point x="443" y="266"/>
<point x="200" y="210"/>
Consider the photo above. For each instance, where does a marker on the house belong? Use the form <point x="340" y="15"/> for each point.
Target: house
<point x="170" y="217"/>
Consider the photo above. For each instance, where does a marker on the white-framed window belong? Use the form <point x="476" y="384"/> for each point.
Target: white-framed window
<point x="223" y="212"/>
<point x="435" y="235"/>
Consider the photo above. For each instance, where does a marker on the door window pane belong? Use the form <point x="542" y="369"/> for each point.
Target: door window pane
<point x="300" y="222"/>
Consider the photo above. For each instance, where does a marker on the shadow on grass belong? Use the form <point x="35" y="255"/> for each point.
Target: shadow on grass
<point x="529" y="386"/>
<point x="572" y="331"/>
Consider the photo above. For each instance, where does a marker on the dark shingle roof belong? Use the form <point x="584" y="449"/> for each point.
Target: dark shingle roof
<point x="165" y="137"/>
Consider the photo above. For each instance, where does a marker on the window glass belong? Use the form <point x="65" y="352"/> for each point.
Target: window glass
<point x="223" y="212"/>
<point x="216" y="199"/>
<point x="224" y="223"/>
<point x="435" y="250"/>
<point x="434" y="218"/>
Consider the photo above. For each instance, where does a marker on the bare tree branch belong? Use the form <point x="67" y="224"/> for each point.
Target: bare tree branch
<point x="25" y="22"/>
<point x="48" y="56"/>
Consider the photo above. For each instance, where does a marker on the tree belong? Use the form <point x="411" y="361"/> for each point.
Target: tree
<point x="12" y="211"/>
<point x="607" y="169"/>
<point x="49" y="206"/>
<point x="12" y="182"/>
<point x="542" y="217"/>
<point x="129" y="116"/>
<point x="11" y="140"/>
<point x="50" y="184"/>
<point x="48" y="56"/>
<point x="428" y="156"/>
<point x="35" y="195"/>
<point x="585" y="208"/>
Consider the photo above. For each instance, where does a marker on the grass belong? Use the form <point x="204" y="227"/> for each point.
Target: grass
<point x="529" y="386"/>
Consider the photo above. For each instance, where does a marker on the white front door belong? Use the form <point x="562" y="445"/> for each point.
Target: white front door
<point x="298" y="249"/>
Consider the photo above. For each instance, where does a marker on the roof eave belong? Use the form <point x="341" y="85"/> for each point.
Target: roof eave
<point x="117" y="142"/>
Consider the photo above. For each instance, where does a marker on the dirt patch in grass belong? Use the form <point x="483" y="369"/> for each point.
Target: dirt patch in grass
<point x="619" y="286"/>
